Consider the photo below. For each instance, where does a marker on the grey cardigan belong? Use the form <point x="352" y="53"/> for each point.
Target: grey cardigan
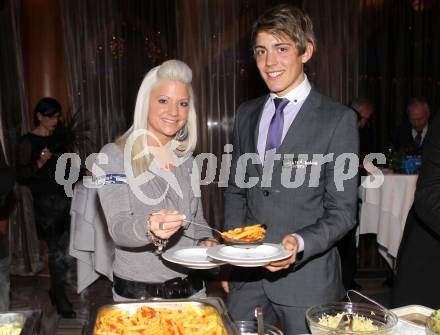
<point x="126" y="218"/>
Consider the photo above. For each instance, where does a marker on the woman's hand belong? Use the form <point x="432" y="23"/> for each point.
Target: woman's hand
<point x="165" y="223"/>
<point x="45" y="155"/>
<point x="208" y="242"/>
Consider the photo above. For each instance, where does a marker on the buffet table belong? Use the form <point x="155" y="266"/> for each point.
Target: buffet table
<point x="384" y="211"/>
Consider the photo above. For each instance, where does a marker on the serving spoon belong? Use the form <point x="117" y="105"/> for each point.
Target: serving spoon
<point x="201" y="225"/>
<point x="260" y="321"/>
<point x="228" y="241"/>
<point x="346" y="320"/>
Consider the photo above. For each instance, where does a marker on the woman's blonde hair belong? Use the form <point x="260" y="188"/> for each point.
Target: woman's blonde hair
<point x="173" y="70"/>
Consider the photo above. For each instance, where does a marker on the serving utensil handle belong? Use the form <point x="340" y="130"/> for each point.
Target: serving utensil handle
<point x="260" y="321"/>
<point x="365" y="297"/>
<point x="201" y="225"/>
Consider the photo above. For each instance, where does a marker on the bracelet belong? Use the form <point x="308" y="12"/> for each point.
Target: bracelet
<point x="158" y="243"/>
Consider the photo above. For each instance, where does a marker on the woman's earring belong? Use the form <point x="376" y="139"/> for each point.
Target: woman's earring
<point x="182" y="134"/>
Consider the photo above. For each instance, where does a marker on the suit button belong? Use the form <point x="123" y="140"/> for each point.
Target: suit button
<point x="266" y="193"/>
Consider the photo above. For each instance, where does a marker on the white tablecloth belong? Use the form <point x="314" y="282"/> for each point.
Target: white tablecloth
<point x="384" y="211"/>
<point x="90" y="242"/>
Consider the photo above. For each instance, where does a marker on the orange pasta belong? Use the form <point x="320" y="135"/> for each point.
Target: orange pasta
<point x="161" y="321"/>
<point x="248" y="233"/>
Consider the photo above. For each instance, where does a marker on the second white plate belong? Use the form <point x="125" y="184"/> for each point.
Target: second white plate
<point x="252" y="257"/>
<point x="193" y="258"/>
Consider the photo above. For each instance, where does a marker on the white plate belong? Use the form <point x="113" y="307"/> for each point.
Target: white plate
<point x="258" y="256"/>
<point x="262" y="251"/>
<point x="193" y="258"/>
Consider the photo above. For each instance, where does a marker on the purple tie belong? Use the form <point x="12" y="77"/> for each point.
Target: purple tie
<point x="276" y="124"/>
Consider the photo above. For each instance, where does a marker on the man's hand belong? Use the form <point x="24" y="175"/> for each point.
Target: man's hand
<point x="225" y="285"/>
<point x="289" y="242"/>
<point x="225" y="272"/>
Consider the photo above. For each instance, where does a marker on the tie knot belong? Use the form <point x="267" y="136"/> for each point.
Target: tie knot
<point x="280" y="103"/>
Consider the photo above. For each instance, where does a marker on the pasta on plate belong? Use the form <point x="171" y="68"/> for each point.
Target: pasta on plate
<point x="246" y="234"/>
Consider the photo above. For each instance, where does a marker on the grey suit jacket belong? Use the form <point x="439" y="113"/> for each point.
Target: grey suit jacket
<point x="315" y="209"/>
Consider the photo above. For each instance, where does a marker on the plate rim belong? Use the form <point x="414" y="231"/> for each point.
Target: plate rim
<point x="167" y="255"/>
<point x="213" y="253"/>
<point x="276" y="246"/>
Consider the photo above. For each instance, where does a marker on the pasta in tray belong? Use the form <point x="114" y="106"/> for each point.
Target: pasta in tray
<point x="248" y="233"/>
<point x="161" y="321"/>
<point x="360" y="323"/>
<point x="13" y="328"/>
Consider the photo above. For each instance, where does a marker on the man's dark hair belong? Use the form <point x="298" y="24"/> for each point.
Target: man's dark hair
<point x="288" y="20"/>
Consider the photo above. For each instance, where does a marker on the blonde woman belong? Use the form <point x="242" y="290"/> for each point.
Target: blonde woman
<point x="145" y="213"/>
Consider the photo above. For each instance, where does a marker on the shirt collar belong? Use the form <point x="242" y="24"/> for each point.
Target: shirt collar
<point x="424" y="131"/>
<point x="298" y="94"/>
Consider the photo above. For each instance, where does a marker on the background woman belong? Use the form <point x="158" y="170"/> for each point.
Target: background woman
<point x="36" y="164"/>
<point x="146" y="217"/>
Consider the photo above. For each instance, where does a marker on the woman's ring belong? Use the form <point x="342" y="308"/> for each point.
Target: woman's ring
<point x="161" y="226"/>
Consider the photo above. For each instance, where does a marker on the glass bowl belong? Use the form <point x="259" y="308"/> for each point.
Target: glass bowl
<point x="250" y="328"/>
<point x="384" y="319"/>
<point x="432" y="325"/>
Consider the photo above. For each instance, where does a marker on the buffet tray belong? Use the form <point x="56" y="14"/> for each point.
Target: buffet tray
<point x="412" y="319"/>
<point x="216" y="303"/>
<point x="28" y="319"/>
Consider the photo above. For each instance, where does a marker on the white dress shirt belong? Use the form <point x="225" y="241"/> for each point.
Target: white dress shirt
<point x="296" y="98"/>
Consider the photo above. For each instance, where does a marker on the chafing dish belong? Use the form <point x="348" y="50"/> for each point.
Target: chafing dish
<point x="27" y="320"/>
<point x="216" y="303"/>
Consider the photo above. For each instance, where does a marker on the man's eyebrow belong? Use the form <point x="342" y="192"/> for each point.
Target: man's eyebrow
<point x="282" y="43"/>
<point x="275" y="45"/>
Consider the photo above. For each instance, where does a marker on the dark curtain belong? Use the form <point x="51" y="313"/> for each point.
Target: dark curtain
<point x="215" y="43"/>
<point x="334" y="66"/>
<point x="383" y="50"/>
<point x="110" y="46"/>
<point x="399" y="51"/>
<point x="24" y="248"/>
<point x="13" y="99"/>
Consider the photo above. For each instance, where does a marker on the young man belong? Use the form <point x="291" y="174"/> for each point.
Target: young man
<point x="310" y="132"/>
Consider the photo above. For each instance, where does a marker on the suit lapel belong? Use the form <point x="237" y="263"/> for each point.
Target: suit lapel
<point x="254" y="125"/>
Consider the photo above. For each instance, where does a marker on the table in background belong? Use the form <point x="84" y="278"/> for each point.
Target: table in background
<point x="384" y="211"/>
<point x="90" y="242"/>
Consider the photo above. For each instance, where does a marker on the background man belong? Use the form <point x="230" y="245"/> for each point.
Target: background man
<point x="410" y="135"/>
<point x="308" y="220"/>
